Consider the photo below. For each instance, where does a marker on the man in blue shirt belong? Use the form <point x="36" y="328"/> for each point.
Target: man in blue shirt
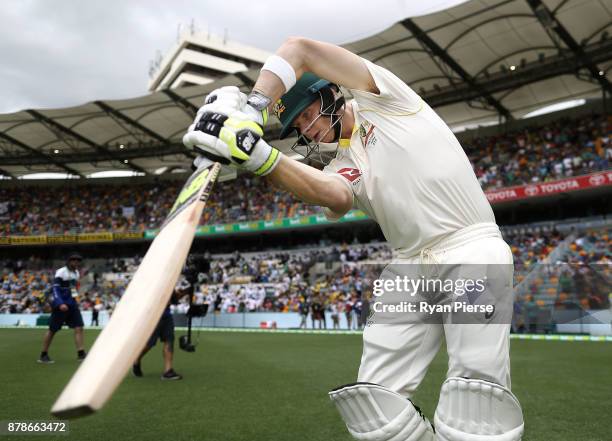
<point x="65" y="309"/>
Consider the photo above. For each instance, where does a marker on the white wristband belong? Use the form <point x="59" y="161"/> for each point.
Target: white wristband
<point x="282" y="69"/>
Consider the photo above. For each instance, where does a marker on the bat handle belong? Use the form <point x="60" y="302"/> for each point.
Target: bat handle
<point x="201" y="162"/>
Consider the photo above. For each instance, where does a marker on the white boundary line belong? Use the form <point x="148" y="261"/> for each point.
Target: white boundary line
<point x="542" y="337"/>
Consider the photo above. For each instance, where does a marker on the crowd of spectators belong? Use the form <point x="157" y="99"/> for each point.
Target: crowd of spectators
<point x="274" y="281"/>
<point x="77" y="208"/>
<point x="282" y="282"/>
<point x="530" y="247"/>
<point x="579" y="278"/>
<point x="23" y="290"/>
<point x="309" y="281"/>
<point x="594" y="247"/>
<point x="585" y="274"/>
<point x="556" y="150"/>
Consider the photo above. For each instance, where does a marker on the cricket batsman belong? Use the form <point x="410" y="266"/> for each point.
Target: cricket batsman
<point x="393" y="157"/>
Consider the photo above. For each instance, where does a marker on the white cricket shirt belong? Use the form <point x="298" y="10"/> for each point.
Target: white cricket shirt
<point x="406" y="169"/>
<point x="70" y="278"/>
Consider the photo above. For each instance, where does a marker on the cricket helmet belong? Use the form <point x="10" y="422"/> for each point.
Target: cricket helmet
<point x="306" y="90"/>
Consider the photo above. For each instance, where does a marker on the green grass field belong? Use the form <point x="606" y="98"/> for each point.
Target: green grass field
<point x="265" y="386"/>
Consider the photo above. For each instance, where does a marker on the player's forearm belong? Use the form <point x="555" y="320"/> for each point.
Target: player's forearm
<point x="311" y="185"/>
<point x="57" y="297"/>
<point x="325" y="60"/>
<point x="268" y="83"/>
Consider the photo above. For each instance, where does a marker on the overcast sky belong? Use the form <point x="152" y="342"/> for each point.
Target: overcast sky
<point x="58" y="53"/>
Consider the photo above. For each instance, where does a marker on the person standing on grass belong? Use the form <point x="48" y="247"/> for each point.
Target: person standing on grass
<point x="164" y="331"/>
<point x="95" y="311"/>
<point x="348" y="312"/>
<point x="335" y="313"/>
<point x="303" y="309"/>
<point x="65" y="308"/>
<point x="317" y="311"/>
<point x="358" y="309"/>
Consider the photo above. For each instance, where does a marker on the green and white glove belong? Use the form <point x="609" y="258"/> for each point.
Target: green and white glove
<point x="232" y="140"/>
<point x="229" y="99"/>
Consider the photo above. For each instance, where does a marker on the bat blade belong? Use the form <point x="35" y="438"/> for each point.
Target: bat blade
<point x="141" y="306"/>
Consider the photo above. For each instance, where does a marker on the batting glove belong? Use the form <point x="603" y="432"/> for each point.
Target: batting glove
<point x="232" y="140"/>
<point x="227" y="100"/>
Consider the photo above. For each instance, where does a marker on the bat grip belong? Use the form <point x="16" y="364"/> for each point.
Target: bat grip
<point x="201" y="162"/>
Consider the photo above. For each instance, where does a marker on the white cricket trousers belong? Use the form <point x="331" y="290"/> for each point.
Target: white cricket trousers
<point x="397" y="355"/>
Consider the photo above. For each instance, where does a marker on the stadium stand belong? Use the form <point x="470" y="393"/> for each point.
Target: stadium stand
<point x="531" y="248"/>
<point x="335" y="277"/>
<point x="560" y="149"/>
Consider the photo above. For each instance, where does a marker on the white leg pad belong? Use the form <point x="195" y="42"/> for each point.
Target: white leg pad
<point x="477" y="410"/>
<point x="374" y="413"/>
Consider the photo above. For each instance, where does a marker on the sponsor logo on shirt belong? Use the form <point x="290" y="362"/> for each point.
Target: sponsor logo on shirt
<point x="366" y="133"/>
<point x="351" y="174"/>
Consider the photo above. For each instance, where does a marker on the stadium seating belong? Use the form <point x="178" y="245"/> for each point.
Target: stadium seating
<point x="335" y="276"/>
<point x="556" y="150"/>
<point x="553" y="151"/>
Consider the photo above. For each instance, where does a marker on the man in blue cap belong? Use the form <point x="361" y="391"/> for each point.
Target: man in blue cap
<point x="65" y="309"/>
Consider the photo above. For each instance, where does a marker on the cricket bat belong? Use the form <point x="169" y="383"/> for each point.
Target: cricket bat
<point x="140" y="308"/>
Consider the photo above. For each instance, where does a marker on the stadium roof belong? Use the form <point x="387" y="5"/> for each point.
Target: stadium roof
<point x="139" y="134"/>
<point x="486" y="58"/>
<point x="474" y="63"/>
